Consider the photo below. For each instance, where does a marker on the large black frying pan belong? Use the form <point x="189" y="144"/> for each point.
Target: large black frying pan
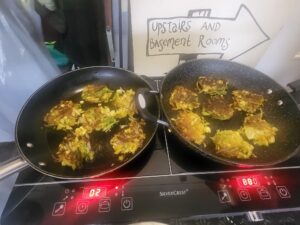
<point x="279" y="109"/>
<point x="37" y="145"/>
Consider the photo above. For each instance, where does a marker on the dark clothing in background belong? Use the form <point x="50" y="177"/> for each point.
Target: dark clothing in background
<point x="79" y="29"/>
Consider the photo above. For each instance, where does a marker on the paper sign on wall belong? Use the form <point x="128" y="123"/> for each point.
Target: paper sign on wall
<point x="170" y="32"/>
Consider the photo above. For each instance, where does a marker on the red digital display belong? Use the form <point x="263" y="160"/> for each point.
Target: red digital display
<point x="94" y="192"/>
<point x="248" y="181"/>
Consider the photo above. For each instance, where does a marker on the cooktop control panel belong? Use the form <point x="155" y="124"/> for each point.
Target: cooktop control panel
<point x="252" y="188"/>
<point x="154" y="198"/>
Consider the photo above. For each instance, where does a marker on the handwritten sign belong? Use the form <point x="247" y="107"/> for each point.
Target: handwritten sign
<point x="204" y="35"/>
<point x="166" y="33"/>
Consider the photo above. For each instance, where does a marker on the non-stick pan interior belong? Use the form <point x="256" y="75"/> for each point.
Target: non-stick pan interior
<point x="38" y="145"/>
<point x="279" y="109"/>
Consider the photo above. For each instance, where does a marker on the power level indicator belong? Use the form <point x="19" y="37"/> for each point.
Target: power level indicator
<point x="248" y="181"/>
<point x="94" y="192"/>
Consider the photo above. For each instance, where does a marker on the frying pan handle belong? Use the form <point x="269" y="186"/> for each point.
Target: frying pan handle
<point x="12" y="167"/>
<point x="11" y="162"/>
<point x="141" y="99"/>
<point x="295" y="85"/>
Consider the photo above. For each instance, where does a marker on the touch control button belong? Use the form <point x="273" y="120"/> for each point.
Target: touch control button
<point x="126" y="203"/>
<point x="263" y="193"/>
<point x="59" y="209"/>
<point x="104" y="205"/>
<point x="82" y="207"/>
<point x="244" y="195"/>
<point x="283" y="192"/>
<point x="224" y="196"/>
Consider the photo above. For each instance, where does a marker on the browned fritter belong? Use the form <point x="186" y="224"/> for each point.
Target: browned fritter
<point x="218" y="108"/>
<point x="183" y="98"/>
<point x="96" y="93"/>
<point x="63" y="116"/>
<point x="231" y="144"/>
<point x="129" y="139"/>
<point x="98" y="119"/>
<point x="247" y="101"/>
<point x="74" y="150"/>
<point x="191" y="126"/>
<point x="259" y="130"/>
<point x="212" y="86"/>
<point x="123" y="103"/>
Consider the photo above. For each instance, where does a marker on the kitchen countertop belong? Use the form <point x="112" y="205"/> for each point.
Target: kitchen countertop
<point x="6" y="186"/>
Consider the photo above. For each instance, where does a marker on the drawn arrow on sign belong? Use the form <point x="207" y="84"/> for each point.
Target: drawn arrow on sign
<point x="227" y="37"/>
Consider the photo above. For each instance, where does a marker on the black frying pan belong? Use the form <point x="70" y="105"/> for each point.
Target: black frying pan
<point x="279" y="109"/>
<point x="37" y="145"/>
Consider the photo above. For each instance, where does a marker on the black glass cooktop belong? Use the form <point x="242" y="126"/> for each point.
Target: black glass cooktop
<point x="167" y="183"/>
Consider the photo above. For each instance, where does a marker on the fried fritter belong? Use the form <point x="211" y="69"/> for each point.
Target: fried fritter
<point x="129" y="139"/>
<point x="191" y="126"/>
<point x="183" y="98"/>
<point x="96" y="93"/>
<point x="259" y="130"/>
<point x="74" y="150"/>
<point x="123" y="102"/>
<point x="247" y="101"/>
<point x="218" y="108"/>
<point x="63" y="116"/>
<point x="212" y="86"/>
<point x="98" y="119"/>
<point x="231" y="144"/>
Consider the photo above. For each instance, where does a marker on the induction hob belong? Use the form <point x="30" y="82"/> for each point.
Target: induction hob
<point x="167" y="183"/>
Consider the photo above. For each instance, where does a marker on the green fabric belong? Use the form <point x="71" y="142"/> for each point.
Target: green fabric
<point x="60" y="58"/>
